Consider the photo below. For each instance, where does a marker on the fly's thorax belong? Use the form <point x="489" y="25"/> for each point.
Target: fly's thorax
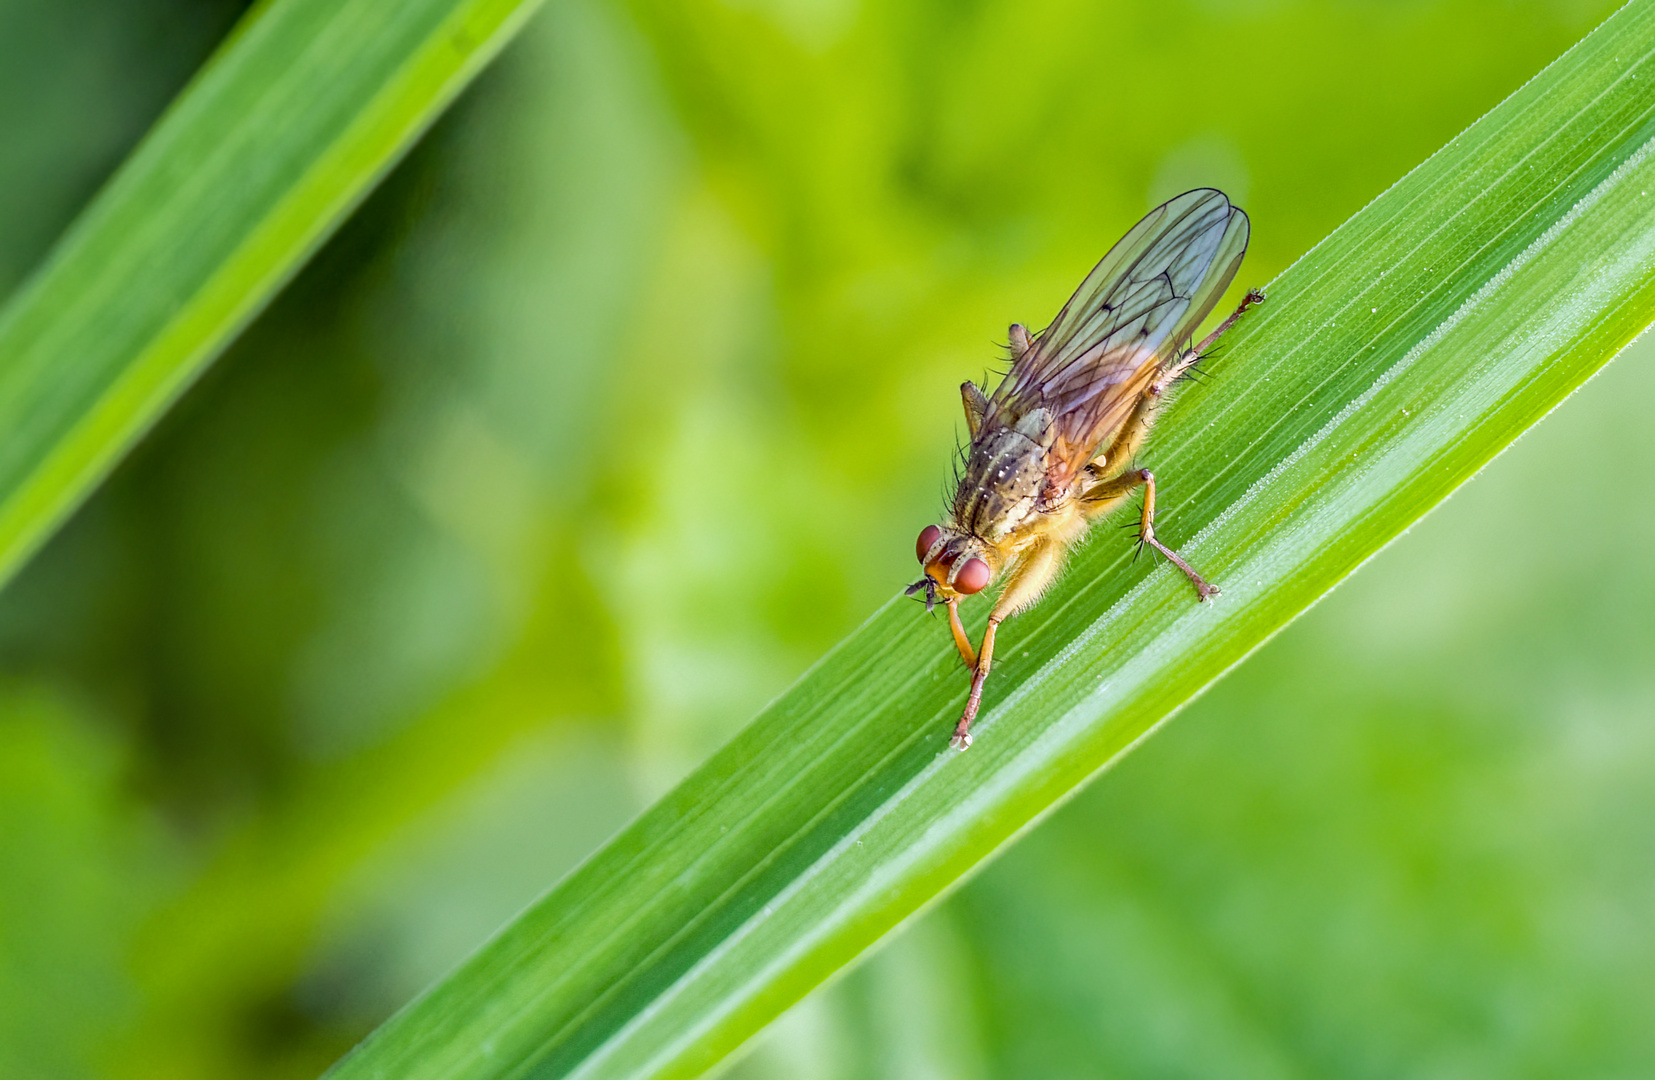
<point x="1004" y="475"/>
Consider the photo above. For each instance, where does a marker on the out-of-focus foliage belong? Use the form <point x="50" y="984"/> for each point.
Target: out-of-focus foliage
<point x="623" y="400"/>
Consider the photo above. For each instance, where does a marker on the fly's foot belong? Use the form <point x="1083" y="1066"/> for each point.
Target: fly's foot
<point x="1203" y="590"/>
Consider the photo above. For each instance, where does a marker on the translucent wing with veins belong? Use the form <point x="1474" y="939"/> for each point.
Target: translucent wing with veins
<point x="1132" y="315"/>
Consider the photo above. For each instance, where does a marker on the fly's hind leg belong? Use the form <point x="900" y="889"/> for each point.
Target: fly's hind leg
<point x="1174" y="371"/>
<point x="1109" y="494"/>
<point x="1034" y="571"/>
<point x="1254" y="296"/>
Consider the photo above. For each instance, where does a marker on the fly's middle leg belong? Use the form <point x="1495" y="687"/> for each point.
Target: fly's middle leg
<point x="1109" y="494"/>
<point x="1146" y="535"/>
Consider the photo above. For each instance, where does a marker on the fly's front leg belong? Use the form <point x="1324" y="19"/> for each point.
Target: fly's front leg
<point x="1034" y="571"/>
<point x="961" y="642"/>
<point x="1106" y="496"/>
<point x="985" y="659"/>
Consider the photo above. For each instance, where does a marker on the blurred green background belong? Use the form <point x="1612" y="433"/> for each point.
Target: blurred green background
<point x="623" y="399"/>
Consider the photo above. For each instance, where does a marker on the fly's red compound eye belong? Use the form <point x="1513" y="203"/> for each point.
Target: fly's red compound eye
<point x="972" y="578"/>
<point x="927" y="539"/>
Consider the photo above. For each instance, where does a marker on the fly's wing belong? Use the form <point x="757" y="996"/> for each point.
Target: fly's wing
<point x="1129" y="318"/>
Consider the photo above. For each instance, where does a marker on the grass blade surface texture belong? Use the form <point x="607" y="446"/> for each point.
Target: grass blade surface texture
<point x="276" y="139"/>
<point x="1389" y="364"/>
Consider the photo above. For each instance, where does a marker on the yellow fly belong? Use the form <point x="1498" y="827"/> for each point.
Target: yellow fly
<point x="1052" y="450"/>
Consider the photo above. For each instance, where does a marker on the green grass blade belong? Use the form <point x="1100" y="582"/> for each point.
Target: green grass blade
<point x="1390" y="363"/>
<point x="276" y="139"/>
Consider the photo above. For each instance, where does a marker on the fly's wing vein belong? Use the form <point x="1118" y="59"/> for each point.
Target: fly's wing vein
<point x="1129" y="317"/>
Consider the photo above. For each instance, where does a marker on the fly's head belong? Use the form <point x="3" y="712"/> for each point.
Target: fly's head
<point x="956" y="564"/>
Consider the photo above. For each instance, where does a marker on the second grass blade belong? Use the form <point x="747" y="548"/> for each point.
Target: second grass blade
<point x="275" y="140"/>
